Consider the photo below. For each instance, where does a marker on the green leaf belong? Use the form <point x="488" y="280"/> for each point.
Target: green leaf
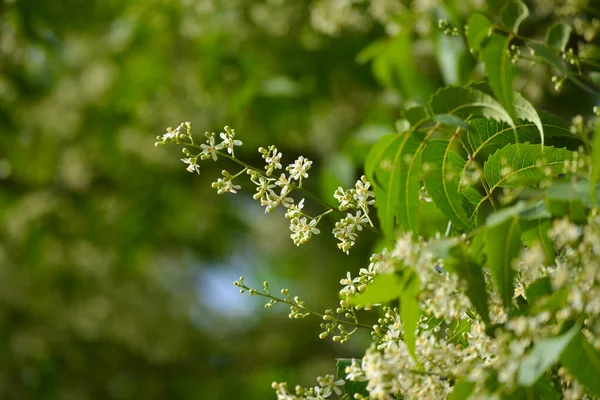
<point x="541" y="390"/>
<point x="544" y="355"/>
<point x="451" y="120"/>
<point x="557" y="36"/>
<point x="583" y="362"/>
<point x="595" y="173"/>
<point x="471" y="198"/>
<point x="350" y="387"/>
<point x="416" y="116"/>
<point x="478" y="28"/>
<point x="499" y="70"/>
<point x="382" y="289"/>
<point x="441" y="180"/>
<point x="513" y="14"/>
<point x="409" y="309"/>
<point x="523" y="210"/>
<point x="393" y="65"/>
<point x="536" y="231"/>
<point x="503" y="246"/>
<point x="552" y="303"/>
<point x="571" y="199"/>
<point x="454" y="60"/>
<point x="525" y="111"/>
<point x="492" y="135"/>
<point x="524" y="165"/>
<point x="538" y="289"/>
<point x="393" y="166"/>
<point x="468" y="103"/>
<point x="462" y="390"/>
<point x="550" y="55"/>
<point x="470" y="272"/>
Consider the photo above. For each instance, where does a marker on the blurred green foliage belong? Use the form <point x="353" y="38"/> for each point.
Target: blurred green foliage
<point x="116" y="266"/>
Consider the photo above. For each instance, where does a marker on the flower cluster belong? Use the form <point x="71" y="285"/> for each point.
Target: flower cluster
<point x="273" y="191"/>
<point x="358" y="199"/>
<point x="327" y="385"/>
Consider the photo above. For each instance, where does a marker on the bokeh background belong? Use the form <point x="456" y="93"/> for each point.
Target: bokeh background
<point x="116" y="265"/>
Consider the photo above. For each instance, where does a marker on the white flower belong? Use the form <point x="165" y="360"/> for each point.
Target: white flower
<point x="263" y="186"/>
<point x="295" y="210"/>
<point x="362" y="194"/>
<point x="192" y="165"/>
<point x="272" y="156"/>
<point x="302" y="231"/>
<point x="209" y="150"/>
<point x="346" y="198"/>
<point x="283" y="182"/>
<point x="225" y="185"/>
<point x="299" y="169"/>
<point x="319" y="393"/>
<point x="228" y="140"/>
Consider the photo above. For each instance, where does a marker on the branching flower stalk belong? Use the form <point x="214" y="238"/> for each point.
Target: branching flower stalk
<point x="272" y="191"/>
<point x="298" y="310"/>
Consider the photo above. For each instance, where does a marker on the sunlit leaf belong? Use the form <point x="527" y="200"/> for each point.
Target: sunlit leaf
<point x="524" y="165"/>
<point x="499" y="70"/>
<point x="382" y="289"/>
<point x="478" y="29"/>
<point x="462" y="390"/>
<point x="468" y="103"/>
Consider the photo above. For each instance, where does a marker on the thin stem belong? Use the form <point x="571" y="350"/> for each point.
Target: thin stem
<point x="289" y="302"/>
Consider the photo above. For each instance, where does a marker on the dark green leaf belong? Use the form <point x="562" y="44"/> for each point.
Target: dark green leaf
<point x="557" y="36"/>
<point x="595" y="174"/>
<point x="512" y="14"/>
<point x="502" y="247"/>
<point x="470" y="272"/>
<point x="538" y="289"/>
<point x="544" y="355"/>
<point x="536" y="231"/>
<point x="583" y="362"/>
<point x="478" y="29"/>
<point x="550" y="55"/>
<point x="570" y="199"/>
<point x="499" y="70"/>
<point x="441" y="180"/>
